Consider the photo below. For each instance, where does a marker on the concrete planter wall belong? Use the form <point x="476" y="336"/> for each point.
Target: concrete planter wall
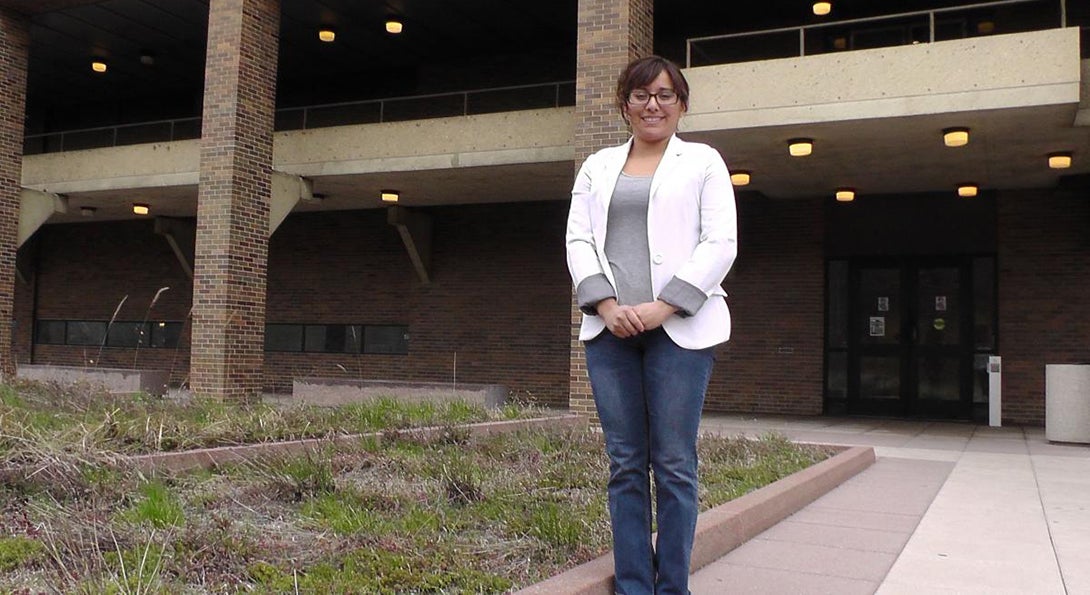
<point x="1067" y="402"/>
<point x="337" y="391"/>
<point x="114" y="380"/>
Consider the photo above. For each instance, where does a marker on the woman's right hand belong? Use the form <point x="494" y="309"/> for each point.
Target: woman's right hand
<point x="622" y="321"/>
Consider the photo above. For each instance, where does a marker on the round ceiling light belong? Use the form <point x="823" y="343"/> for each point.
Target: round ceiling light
<point x="800" y="147"/>
<point x="955" y="137"/>
<point x="968" y="190"/>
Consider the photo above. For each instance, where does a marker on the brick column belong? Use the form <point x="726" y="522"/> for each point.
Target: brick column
<point x="14" y="41"/>
<point x="612" y="33"/>
<point x="233" y="200"/>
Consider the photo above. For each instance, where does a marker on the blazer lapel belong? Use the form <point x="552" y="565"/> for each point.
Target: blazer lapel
<point x="612" y="171"/>
<point x="670" y="159"/>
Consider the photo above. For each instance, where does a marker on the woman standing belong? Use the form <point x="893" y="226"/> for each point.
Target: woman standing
<point x="652" y="232"/>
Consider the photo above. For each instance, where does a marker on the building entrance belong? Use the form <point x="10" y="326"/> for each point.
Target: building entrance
<point x="910" y="336"/>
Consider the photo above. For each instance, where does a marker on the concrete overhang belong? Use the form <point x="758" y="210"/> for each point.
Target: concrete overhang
<point x="967" y="75"/>
<point x="503" y="157"/>
<point x="877" y="116"/>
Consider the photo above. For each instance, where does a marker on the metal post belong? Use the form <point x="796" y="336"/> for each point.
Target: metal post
<point x="931" y="24"/>
<point x="802" y="41"/>
<point x="995" y="391"/>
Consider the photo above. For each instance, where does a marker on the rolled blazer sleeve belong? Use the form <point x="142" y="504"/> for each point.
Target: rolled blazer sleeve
<point x="718" y="244"/>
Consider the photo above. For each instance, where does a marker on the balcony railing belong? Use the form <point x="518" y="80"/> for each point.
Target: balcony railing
<point x="390" y="109"/>
<point x="925" y="26"/>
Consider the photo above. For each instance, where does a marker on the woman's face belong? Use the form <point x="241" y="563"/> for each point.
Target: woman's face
<point x="653" y="122"/>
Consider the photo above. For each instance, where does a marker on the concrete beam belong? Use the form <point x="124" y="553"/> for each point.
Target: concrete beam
<point x="287" y="191"/>
<point x="35" y="208"/>
<point x="181" y="234"/>
<point x="415" y="230"/>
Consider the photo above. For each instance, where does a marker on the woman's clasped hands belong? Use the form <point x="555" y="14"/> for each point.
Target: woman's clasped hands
<point x="629" y="321"/>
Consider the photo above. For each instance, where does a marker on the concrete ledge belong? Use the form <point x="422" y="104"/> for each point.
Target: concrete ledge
<point x="725" y="527"/>
<point x="113" y="380"/>
<point x="207" y="458"/>
<point x="338" y="391"/>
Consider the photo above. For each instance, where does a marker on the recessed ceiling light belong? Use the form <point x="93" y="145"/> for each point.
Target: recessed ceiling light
<point x="394" y="25"/>
<point x="98" y="66"/>
<point x="140" y="208"/>
<point x="740" y="178"/>
<point x="800" y="147"/>
<point x="822" y="8"/>
<point x="327" y="35"/>
<point x="955" y="137"/>
<point x="845" y="194"/>
<point x="147" y="58"/>
<point x="968" y="190"/>
<point x="390" y="195"/>
<point x="1059" y="160"/>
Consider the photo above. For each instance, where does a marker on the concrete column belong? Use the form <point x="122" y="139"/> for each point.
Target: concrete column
<point x="14" y="42"/>
<point x="612" y="33"/>
<point x="233" y="199"/>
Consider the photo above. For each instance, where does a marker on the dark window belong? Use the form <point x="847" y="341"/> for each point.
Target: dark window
<point x="127" y="334"/>
<point x="332" y="338"/>
<point x="84" y="333"/>
<point x="386" y="339"/>
<point x="51" y="332"/>
<point x="283" y="337"/>
<point x="119" y="334"/>
<point x="166" y="334"/>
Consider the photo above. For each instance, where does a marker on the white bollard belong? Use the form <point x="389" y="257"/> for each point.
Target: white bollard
<point x="995" y="391"/>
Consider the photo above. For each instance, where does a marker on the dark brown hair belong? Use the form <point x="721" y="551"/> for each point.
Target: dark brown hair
<point x="642" y="72"/>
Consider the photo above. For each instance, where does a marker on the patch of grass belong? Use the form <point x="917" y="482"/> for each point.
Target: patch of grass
<point x="18" y="551"/>
<point x="158" y="506"/>
<point x="400" y="512"/>
<point x="42" y="413"/>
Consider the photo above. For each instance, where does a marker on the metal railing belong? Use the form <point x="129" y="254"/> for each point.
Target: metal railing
<point x="370" y="111"/>
<point x="924" y="26"/>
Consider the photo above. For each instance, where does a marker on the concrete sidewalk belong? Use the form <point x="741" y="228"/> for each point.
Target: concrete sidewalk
<point x="947" y="508"/>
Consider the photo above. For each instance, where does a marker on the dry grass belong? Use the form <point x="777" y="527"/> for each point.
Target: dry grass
<point x="386" y="515"/>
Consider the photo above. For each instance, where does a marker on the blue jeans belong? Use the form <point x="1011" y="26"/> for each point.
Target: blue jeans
<point x="649" y="393"/>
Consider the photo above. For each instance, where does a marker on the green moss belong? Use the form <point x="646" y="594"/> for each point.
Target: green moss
<point x="19" y="551"/>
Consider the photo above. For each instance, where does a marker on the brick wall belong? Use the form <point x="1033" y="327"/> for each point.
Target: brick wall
<point x="85" y="270"/>
<point x="773" y="362"/>
<point x="498" y="299"/>
<point x="611" y="34"/>
<point x="14" y="42"/>
<point x="233" y="201"/>
<point x="1044" y="278"/>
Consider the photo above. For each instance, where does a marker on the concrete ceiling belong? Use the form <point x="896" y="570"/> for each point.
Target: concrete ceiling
<point x="1008" y="149"/>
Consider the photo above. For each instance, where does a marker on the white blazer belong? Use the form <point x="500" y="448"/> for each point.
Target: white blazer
<point x="692" y="232"/>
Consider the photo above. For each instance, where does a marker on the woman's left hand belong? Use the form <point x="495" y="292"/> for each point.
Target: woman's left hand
<point x="652" y="314"/>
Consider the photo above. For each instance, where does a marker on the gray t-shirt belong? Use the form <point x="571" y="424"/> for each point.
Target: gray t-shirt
<point x="626" y="240"/>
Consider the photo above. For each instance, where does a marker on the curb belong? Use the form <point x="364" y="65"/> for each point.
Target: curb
<point x="206" y="458"/>
<point x="725" y="527"/>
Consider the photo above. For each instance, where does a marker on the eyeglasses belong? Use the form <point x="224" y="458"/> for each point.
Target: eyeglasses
<point x="641" y="97"/>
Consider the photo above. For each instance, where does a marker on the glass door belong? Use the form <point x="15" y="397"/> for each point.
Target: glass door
<point x="878" y="350"/>
<point x="908" y="350"/>
<point x="940" y="361"/>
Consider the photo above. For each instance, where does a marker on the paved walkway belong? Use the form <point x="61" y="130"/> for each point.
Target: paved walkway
<point x="947" y="508"/>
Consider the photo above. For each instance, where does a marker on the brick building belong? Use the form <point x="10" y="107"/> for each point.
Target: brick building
<point x="391" y="205"/>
